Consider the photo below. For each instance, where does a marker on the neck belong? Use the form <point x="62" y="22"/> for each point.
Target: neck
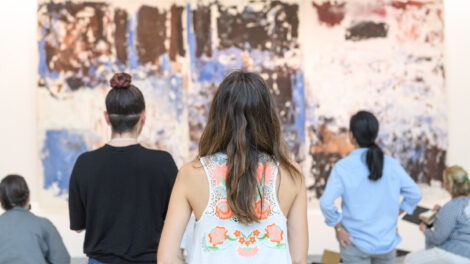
<point x="123" y="139"/>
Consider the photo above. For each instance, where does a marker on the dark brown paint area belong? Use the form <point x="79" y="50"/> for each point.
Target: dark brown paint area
<point x="176" y="37"/>
<point x="120" y="34"/>
<point x="274" y="29"/>
<point x="330" y="14"/>
<point x="331" y="146"/>
<point x="83" y="34"/>
<point x="366" y="30"/>
<point x="202" y="30"/>
<point x="151" y="34"/>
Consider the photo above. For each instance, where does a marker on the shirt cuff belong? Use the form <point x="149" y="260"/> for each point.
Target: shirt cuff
<point x="407" y="208"/>
<point x="335" y="221"/>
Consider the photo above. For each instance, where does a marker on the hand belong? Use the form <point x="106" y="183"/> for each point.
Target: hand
<point x="423" y="227"/>
<point x="343" y="237"/>
<point x="436" y="208"/>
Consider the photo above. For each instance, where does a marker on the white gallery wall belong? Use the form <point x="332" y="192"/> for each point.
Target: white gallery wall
<point x="18" y="147"/>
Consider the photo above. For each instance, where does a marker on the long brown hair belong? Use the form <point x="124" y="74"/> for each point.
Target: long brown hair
<point x="243" y="122"/>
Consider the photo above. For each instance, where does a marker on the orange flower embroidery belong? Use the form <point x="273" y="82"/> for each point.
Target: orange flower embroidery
<point x="241" y="240"/>
<point x="237" y="233"/>
<point x="256" y="232"/>
<point x="223" y="210"/>
<point x="262" y="214"/>
<point x="274" y="233"/>
<point x="218" y="236"/>
<point x="252" y="240"/>
<point x="247" y="252"/>
<point x="219" y="172"/>
<point x="267" y="170"/>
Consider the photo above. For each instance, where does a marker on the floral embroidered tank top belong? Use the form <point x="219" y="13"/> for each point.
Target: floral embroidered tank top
<point x="220" y="238"/>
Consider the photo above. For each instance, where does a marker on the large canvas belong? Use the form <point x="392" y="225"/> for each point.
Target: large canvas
<point x="382" y="56"/>
<point x="322" y="61"/>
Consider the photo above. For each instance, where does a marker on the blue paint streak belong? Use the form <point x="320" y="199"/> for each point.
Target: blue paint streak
<point x="298" y="97"/>
<point x="61" y="150"/>
<point x="131" y="47"/>
<point x="165" y="64"/>
<point x="190" y="36"/>
<point x="43" y="71"/>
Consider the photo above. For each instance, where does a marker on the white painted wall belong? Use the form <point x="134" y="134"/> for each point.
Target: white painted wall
<point x="18" y="149"/>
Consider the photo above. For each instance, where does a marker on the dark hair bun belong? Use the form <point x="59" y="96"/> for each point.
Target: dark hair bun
<point x="120" y="80"/>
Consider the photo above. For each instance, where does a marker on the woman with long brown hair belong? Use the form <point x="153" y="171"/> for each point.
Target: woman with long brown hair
<point x="248" y="197"/>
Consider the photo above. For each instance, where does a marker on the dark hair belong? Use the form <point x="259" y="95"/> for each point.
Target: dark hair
<point x="124" y="103"/>
<point x="365" y="128"/>
<point x="243" y="122"/>
<point x="13" y="192"/>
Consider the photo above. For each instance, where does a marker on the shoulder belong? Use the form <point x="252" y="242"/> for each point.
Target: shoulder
<point x="191" y="169"/>
<point x="297" y="180"/>
<point x="456" y="203"/>
<point x="89" y="155"/>
<point x="159" y="155"/>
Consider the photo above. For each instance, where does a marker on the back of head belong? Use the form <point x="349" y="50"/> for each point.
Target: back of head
<point x="458" y="181"/>
<point x="243" y="122"/>
<point x="13" y="192"/>
<point x="124" y="103"/>
<point x="365" y="128"/>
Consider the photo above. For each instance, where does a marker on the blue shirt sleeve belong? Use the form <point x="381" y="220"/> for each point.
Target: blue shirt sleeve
<point x="446" y="220"/>
<point x="408" y="189"/>
<point x="334" y="189"/>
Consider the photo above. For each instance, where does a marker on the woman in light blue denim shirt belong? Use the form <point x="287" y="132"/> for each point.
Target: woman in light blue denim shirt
<point x="370" y="185"/>
<point x="449" y="240"/>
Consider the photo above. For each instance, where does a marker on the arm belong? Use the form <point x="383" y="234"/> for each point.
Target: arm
<point x="334" y="189"/>
<point x="76" y="205"/>
<point x="297" y="227"/>
<point x="176" y="220"/>
<point x="445" y="223"/>
<point x="410" y="191"/>
<point x="56" y="253"/>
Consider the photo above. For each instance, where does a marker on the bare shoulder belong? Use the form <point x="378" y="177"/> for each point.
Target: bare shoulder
<point x="294" y="179"/>
<point x="191" y="171"/>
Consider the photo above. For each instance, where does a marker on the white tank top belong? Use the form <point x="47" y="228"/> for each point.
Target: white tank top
<point x="220" y="238"/>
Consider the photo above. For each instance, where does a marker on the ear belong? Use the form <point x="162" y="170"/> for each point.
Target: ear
<point x="143" y="117"/>
<point x="106" y="117"/>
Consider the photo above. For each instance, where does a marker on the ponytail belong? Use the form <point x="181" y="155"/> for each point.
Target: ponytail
<point x="365" y="128"/>
<point x="375" y="162"/>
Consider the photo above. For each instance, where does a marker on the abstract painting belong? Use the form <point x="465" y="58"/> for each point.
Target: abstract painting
<point x="322" y="61"/>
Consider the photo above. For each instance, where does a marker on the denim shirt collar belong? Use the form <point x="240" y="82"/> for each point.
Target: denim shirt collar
<point x="359" y="151"/>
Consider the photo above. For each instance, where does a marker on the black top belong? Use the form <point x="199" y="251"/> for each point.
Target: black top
<point x="120" y="196"/>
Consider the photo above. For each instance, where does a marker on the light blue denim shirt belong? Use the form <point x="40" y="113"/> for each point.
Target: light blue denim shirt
<point x="370" y="209"/>
<point x="451" y="230"/>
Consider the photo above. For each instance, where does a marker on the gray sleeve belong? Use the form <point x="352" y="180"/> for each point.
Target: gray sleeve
<point x="56" y="251"/>
<point x="446" y="220"/>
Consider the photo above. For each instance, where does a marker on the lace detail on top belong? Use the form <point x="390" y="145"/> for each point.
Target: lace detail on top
<point x="216" y="171"/>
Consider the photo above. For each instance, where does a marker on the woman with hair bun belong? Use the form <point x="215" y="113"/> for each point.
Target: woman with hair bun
<point x="370" y="185"/>
<point x="119" y="193"/>
<point x="449" y="239"/>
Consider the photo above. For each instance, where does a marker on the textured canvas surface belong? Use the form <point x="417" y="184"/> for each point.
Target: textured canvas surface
<point x="322" y="60"/>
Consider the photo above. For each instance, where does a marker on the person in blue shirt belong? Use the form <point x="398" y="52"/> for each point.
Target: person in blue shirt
<point x="370" y="185"/>
<point x="449" y="239"/>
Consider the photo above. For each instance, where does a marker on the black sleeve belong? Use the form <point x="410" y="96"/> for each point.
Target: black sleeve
<point x="76" y="203"/>
<point x="171" y="172"/>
